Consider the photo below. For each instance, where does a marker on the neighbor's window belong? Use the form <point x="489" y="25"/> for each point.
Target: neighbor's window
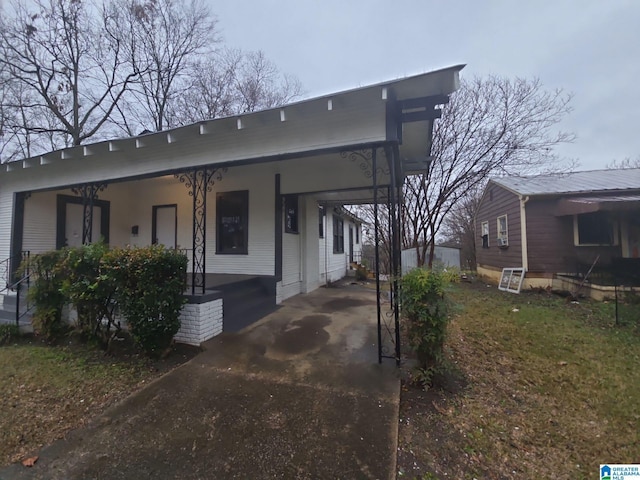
<point x="594" y="229"/>
<point x="485" y="234"/>
<point x="232" y="212"/>
<point x="503" y="234"/>
<point x="338" y="234"/>
<point x="321" y="214"/>
<point x="357" y="233"/>
<point x="291" y="214"/>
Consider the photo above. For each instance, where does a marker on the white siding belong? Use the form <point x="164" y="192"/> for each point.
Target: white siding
<point x="40" y="222"/>
<point x="6" y="214"/>
<point x="309" y="230"/>
<point x="333" y="265"/>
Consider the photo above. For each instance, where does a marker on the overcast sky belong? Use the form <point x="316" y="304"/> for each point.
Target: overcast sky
<point x="590" y="48"/>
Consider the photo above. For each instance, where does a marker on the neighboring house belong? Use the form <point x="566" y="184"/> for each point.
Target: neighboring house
<point x="557" y="227"/>
<point x="240" y="195"/>
<point x="340" y="234"/>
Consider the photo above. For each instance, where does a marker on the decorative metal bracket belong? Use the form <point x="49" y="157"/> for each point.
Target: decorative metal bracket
<point x="89" y="193"/>
<point x="364" y="159"/>
<point x="199" y="181"/>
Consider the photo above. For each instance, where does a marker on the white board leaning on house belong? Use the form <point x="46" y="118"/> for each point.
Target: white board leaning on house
<point x="511" y="280"/>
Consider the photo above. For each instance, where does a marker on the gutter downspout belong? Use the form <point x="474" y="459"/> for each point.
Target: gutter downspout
<point x="523" y="232"/>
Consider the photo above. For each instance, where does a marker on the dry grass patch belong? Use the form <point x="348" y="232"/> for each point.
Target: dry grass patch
<point x="49" y="390"/>
<point x="553" y="390"/>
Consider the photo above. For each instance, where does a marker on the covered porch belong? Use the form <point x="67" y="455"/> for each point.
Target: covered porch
<point x="239" y="195"/>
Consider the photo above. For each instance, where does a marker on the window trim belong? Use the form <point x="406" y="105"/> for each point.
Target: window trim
<point x="484" y="234"/>
<point x="338" y="234"/>
<point x="291" y="208"/>
<point x="505" y="237"/>
<point x="576" y="233"/>
<point x="245" y="223"/>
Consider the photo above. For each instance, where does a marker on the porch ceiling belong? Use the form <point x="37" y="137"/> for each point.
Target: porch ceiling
<point x="579" y="205"/>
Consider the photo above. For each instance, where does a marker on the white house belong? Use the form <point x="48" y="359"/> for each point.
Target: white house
<point x="240" y="194"/>
<point x="340" y="243"/>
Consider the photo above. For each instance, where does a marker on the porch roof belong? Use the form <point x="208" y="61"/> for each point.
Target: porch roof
<point x="399" y="111"/>
<point x="579" y="205"/>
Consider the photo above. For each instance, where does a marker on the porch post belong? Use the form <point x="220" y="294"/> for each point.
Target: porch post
<point x="89" y="193"/>
<point x="17" y="234"/>
<point x="395" y="246"/>
<point x="199" y="181"/>
<point x="376" y="226"/>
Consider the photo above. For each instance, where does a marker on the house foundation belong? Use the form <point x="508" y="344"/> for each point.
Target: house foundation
<point x="200" y="321"/>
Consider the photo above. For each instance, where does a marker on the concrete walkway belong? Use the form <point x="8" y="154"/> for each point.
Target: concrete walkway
<point x="297" y="396"/>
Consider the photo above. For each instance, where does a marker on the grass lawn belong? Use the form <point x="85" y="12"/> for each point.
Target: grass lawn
<point x="49" y="390"/>
<point x="546" y="389"/>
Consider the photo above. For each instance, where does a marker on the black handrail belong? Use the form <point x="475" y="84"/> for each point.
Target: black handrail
<point x="17" y="286"/>
<point x="6" y="267"/>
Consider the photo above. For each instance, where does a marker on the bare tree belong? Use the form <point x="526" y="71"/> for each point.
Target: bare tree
<point x="459" y="227"/>
<point x="165" y="40"/>
<point x="625" y="163"/>
<point x="69" y="61"/>
<point x="492" y="126"/>
<point x="211" y="93"/>
<point x="260" y="84"/>
<point x="232" y="82"/>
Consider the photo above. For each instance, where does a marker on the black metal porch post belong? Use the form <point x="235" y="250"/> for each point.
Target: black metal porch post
<point x="89" y="193"/>
<point x="376" y="226"/>
<point x="199" y="181"/>
<point x="395" y="247"/>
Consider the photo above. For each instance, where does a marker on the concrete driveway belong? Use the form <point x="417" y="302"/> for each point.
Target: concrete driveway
<point x="298" y="395"/>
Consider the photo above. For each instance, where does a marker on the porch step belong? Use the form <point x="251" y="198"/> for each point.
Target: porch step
<point x="247" y="302"/>
<point x="8" y="310"/>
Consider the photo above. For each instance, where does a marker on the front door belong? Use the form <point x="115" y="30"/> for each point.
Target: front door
<point x="164" y="225"/>
<point x="70" y="221"/>
<point x="74" y="221"/>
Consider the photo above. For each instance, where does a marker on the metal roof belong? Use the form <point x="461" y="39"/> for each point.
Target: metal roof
<point x="574" y="182"/>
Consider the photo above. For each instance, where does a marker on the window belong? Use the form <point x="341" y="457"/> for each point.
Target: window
<point x="485" y="234"/>
<point x="338" y="234"/>
<point x="594" y="229"/>
<point x="321" y="214"/>
<point x="503" y="233"/>
<point x="232" y="211"/>
<point x="291" y="214"/>
<point x="357" y="234"/>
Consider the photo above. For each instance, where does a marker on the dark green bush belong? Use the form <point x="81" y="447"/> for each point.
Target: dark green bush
<point x="147" y="284"/>
<point x="425" y="311"/>
<point x="46" y="293"/>
<point x="8" y="331"/>
<point x="151" y="283"/>
<point x="91" y="288"/>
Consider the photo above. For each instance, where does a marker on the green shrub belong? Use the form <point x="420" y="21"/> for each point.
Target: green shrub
<point x="151" y="283"/>
<point x="425" y="311"/>
<point x="91" y="288"/>
<point x="46" y="293"/>
<point x="8" y="331"/>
